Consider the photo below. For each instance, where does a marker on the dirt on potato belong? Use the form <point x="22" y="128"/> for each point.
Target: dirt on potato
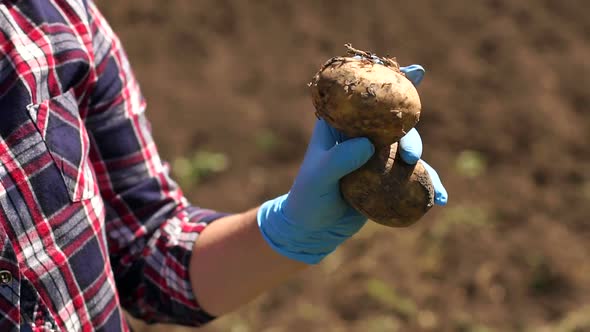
<point x="506" y="117"/>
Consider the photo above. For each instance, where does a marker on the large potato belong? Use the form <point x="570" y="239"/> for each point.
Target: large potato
<point x="367" y="96"/>
<point x="362" y="98"/>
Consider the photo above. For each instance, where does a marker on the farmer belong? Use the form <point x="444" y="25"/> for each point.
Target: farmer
<point x="90" y="221"/>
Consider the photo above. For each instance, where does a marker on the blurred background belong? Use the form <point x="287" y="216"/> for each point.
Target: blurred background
<point x="505" y="121"/>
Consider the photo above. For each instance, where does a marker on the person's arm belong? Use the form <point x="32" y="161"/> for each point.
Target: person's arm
<point x="232" y="263"/>
<point x="238" y="257"/>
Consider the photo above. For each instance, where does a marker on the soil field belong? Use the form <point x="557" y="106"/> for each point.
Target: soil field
<point x="505" y="121"/>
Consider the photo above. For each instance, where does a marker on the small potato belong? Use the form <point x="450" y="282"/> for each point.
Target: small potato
<point x="389" y="191"/>
<point x="362" y="98"/>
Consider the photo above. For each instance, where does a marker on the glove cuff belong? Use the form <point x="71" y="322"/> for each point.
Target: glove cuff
<point x="286" y="238"/>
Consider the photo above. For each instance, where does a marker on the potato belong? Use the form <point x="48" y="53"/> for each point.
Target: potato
<point x="367" y="96"/>
<point x="389" y="191"/>
<point x="362" y="98"/>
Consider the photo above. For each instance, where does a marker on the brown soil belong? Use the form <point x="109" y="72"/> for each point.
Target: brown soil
<point x="506" y="79"/>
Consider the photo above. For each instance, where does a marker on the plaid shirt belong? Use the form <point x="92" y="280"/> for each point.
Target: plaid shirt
<point x="90" y="221"/>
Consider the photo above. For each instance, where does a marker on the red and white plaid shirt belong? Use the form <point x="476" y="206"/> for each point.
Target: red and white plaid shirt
<point x="90" y="221"/>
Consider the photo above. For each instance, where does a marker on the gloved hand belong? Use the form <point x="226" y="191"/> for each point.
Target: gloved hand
<point x="311" y="220"/>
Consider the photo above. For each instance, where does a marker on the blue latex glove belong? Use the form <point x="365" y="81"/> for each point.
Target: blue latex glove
<point x="311" y="220"/>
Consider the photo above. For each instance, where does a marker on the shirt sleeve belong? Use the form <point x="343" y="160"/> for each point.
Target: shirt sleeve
<point x="150" y="226"/>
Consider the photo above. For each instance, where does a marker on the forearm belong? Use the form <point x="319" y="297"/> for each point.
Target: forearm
<point x="232" y="263"/>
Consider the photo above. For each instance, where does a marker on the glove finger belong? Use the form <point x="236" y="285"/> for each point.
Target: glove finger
<point x="323" y="136"/>
<point x="415" y="73"/>
<point x="440" y="193"/>
<point x="411" y="147"/>
<point x="347" y="157"/>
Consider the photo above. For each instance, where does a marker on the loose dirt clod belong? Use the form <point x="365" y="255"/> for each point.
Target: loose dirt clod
<point x="364" y="95"/>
